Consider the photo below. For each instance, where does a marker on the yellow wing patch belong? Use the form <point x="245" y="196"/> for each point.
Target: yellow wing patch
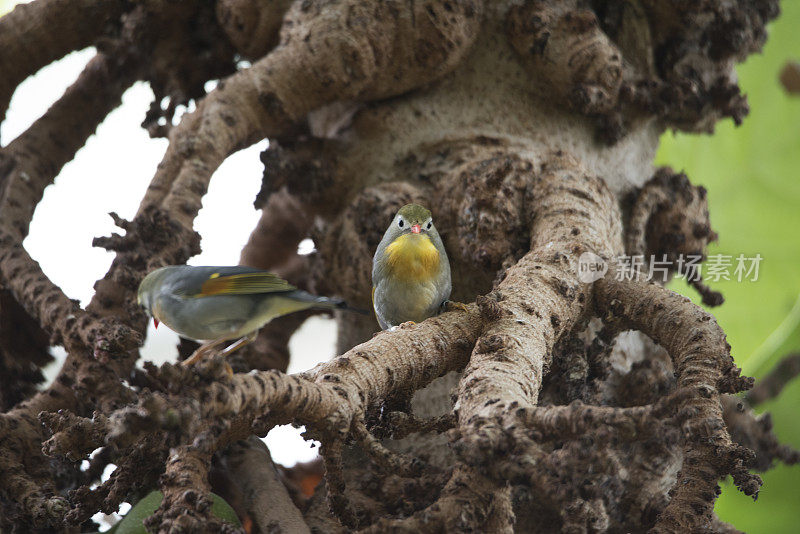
<point x="243" y="284"/>
<point x="413" y="258"/>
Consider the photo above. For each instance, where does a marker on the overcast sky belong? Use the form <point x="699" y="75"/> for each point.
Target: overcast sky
<point x="111" y="173"/>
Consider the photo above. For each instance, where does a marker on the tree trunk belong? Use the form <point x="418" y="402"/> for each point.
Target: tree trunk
<point x="553" y="400"/>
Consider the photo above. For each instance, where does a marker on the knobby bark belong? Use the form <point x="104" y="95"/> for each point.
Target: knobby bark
<point x="547" y="402"/>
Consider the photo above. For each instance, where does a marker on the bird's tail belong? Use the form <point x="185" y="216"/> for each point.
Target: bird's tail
<point x="339" y="304"/>
<point x="325" y="303"/>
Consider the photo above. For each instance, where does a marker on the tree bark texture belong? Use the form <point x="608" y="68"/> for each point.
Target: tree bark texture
<point x="546" y="403"/>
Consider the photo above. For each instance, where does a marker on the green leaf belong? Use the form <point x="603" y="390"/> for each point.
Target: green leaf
<point x="784" y="340"/>
<point x="133" y="522"/>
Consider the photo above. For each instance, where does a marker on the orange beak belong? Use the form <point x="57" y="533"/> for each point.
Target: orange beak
<point x="416" y="229"/>
<point x="155" y="323"/>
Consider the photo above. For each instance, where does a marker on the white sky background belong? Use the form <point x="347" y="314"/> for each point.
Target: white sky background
<point x="111" y="173"/>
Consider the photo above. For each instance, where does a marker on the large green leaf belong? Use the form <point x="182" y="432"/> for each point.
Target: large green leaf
<point x="133" y="522"/>
<point x="751" y="173"/>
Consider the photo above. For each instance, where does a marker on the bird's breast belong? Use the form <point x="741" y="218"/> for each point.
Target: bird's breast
<point x="412" y="258"/>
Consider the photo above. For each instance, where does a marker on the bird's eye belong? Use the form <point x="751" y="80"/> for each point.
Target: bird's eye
<point x="400" y="223"/>
<point x="428" y="227"/>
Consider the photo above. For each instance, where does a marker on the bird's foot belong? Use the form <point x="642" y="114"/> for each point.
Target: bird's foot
<point x="249" y="338"/>
<point x="208" y="347"/>
<point x="452" y="305"/>
<point x="194" y="358"/>
<point x="202" y="351"/>
<point x="208" y="359"/>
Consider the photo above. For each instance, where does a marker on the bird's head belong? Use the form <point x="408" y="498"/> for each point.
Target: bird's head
<point x="412" y="219"/>
<point x="148" y="289"/>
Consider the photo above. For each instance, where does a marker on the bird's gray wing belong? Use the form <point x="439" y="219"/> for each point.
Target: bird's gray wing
<point x="235" y="280"/>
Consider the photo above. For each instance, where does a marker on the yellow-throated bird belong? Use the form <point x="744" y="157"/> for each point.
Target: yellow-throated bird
<point x="410" y="270"/>
<point x="218" y="304"/>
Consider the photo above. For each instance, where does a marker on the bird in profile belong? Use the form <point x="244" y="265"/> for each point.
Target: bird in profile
<point x="410" y="270"/>
<point x="218" y="304"/>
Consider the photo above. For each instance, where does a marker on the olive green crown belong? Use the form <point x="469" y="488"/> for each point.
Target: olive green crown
<point x="414" y="213"/>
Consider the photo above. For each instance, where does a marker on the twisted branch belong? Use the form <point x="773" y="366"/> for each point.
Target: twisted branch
<point x="703" y="363"/>
<point x="510" y="208"/>
<point x="34" y="35"/>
